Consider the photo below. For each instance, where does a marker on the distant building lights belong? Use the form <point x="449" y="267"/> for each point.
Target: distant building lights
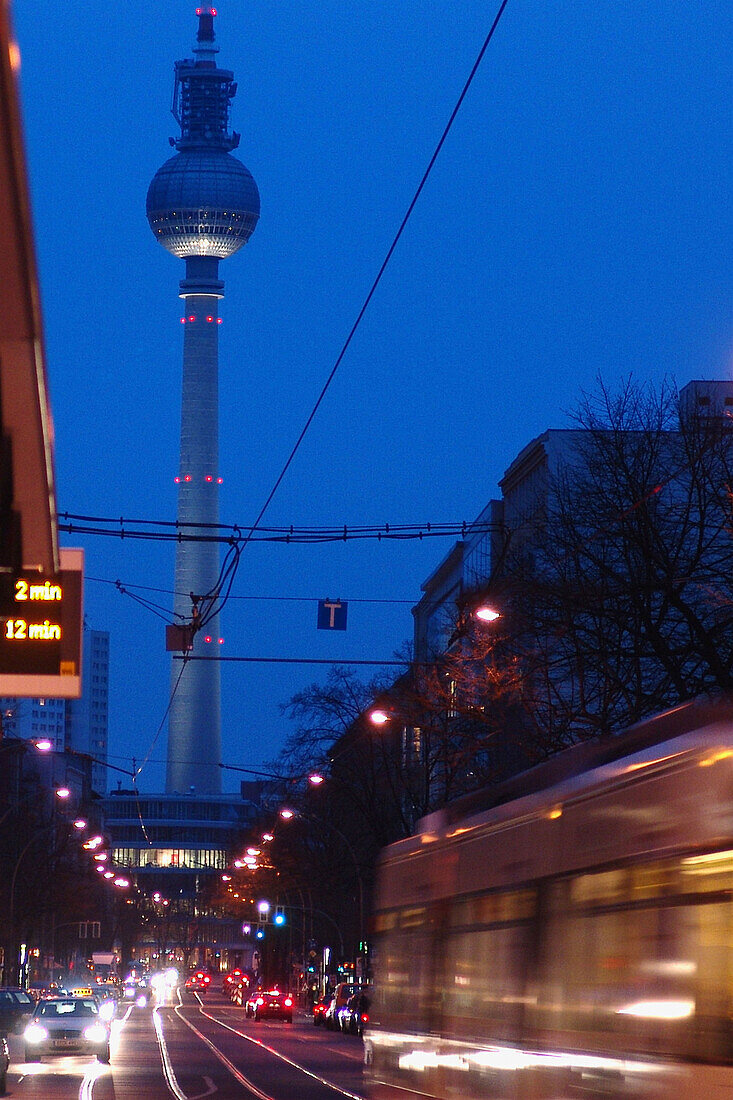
<point x="209" y="477"/>
<point x="207" y="639"/>
<point x="192" y="318"/>
<point x="183" y="320"/>
<point x="177" y="480"/>
<point x="218" y="320"/>
<point x="210" y="319"/>
<point x="187" y="477"/>
<point x="221" y="641"/>
<point x="220" y="481"/>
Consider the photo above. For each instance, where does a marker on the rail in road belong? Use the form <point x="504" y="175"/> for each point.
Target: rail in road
<point x="197" y="1048"/>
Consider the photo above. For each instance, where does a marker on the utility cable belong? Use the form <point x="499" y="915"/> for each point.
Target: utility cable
<point x="126" y="588"/>
<point x="382" y="269"/>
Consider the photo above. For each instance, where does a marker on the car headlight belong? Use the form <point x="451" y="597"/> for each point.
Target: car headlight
<point x="34" y="1033"/>
<point x="95" y="1033"/>
<point x="107" y="1010"/>
<point x="141" y="1001"/>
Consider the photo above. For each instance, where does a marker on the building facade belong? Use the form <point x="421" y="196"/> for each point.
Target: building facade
<point x="72" y="725"/>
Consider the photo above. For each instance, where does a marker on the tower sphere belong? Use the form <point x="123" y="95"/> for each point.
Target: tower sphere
<point x="203" y="202"/>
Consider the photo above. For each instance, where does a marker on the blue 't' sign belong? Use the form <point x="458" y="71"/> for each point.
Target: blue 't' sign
<point x="332" y="614"/>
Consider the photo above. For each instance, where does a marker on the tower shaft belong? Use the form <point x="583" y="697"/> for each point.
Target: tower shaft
<point x="194" y="729"/>
<point x="203" y="206"/>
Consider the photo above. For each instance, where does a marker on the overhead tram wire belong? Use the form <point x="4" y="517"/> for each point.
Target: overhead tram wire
<point x="125" y="588"/>
<point x="382" y="269"/>
<point x="231" y="535"/>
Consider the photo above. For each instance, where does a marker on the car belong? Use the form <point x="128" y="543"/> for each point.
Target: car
<point x="354" y="1016"/>
<point x="319" y="1010"/>
<point x="16" y="1006"/>
<point x="198" y="982"/>
<point x="4" y="1063"/>
<point x="340" y="996"/>
<point x="269" y="1004"/>
<point x="66" y="1025"/>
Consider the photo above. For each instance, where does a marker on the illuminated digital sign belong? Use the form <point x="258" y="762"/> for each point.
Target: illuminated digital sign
<point x="41" y="630"/>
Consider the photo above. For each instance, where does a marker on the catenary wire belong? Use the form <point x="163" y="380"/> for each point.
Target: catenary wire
<point x="382" y="269"/>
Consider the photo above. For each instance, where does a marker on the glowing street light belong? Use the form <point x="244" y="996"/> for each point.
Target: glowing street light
<point x="286" y="815"/>
<point x="378" y="717"/>
<point x="486" y="614"/>
<point x="316" y="779"/>
<point x="80" y="823"/>
<point x="63" y="793"/>
<point x="267" y="837"/>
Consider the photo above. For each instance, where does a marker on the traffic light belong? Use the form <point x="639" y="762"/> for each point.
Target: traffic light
<point x="260" y="933"/>
<point x="279" y="917"/>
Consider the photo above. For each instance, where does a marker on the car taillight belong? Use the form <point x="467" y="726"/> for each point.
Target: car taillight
<point x="364" y="1018"/>
<point x="259" y="1001"/>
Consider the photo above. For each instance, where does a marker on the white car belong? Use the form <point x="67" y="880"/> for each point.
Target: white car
<point x="66" y="1025"/>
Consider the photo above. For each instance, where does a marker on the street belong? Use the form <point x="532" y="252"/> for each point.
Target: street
<point x="193" y="1048"/>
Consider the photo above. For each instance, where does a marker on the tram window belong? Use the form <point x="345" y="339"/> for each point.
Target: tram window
<point x="385" y="922"/>
<point x="709" y="872"/>
<point x="653" y="978"/>
<point x="493" y="908"/>
<point x="404" y="986"/>
<point x="484" y="981"/>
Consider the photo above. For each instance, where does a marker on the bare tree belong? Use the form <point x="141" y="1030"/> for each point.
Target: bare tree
<point x="622" y="592"/>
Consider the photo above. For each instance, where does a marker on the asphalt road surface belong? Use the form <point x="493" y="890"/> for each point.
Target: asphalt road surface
<point x="193" y="1048"/>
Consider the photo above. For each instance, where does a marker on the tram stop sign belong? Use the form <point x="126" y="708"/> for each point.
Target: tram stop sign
<point x="332" y="614"/>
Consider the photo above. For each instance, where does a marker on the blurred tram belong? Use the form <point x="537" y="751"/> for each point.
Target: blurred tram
<point x="570" y="934"/>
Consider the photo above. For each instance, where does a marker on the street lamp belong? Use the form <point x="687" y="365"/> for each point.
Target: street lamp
<point x="485" y="614"/>
<point x="379" y="717"/>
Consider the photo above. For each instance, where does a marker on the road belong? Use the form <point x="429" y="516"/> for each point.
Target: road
<point x="193" y="1048"/>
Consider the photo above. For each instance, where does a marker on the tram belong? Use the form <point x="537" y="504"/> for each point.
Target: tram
<point x="569" y="935"/>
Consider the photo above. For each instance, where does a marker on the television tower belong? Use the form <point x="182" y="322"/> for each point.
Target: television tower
<point x="202" y="206"/>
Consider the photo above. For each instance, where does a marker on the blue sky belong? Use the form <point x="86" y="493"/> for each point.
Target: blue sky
<point x="576" y="223"/>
